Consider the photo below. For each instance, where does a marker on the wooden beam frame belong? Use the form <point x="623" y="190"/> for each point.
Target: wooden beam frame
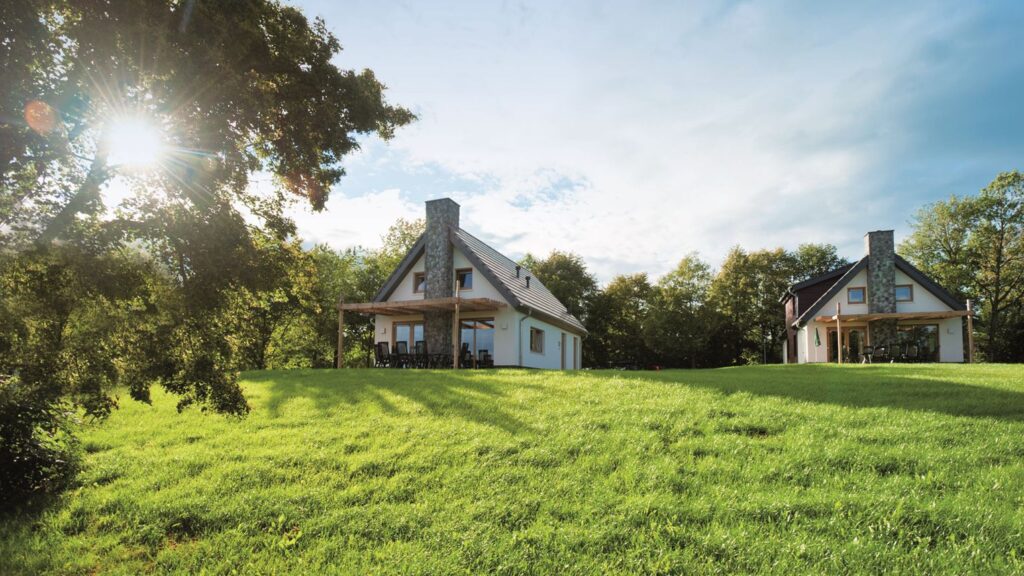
<point x="406" y="307"/>
<point x="893" y="316"/>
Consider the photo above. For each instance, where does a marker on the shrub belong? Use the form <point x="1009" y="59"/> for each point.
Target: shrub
<point x="38" y="452"/>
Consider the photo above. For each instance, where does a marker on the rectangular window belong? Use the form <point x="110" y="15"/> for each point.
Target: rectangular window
<point x="465" y="276"/>
<point x="856" y="295"/>
<point x="905" y="293"/>
<point x="536" y="340"/>
<point x="419" y="282"/>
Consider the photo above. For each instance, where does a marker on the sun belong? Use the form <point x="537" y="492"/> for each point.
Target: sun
<point x="134" y="143"/>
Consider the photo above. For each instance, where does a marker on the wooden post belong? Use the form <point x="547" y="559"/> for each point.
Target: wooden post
<point x="970" y="333"/>
<point x="341" y="333"/>
<point x="839" y="334"/>
<point x="455" y="327"/>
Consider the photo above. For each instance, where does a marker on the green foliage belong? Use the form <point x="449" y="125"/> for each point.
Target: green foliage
<point x="235" y="88"/>
<point x="974" y="246"/>
<point x="566" y="276"/>
<point x="37" y="445"/>
<point x="617" y="324"/>
<point x="750" y="470"/>
<point x="693" y="317"/>
<point x="682" y="320"/>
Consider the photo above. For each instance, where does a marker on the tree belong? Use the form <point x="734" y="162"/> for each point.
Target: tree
<point x="617" y="326"/>
<point x="566" y="276"/>
<point x="681" y="320"/>
<point x="938" y="245"/>
<point x="746" y="292"/>
<point x="997" y="246"/>
<point x="221" y="90"/>
<point x="974" y="246"/>
<point x="811" y="260"/>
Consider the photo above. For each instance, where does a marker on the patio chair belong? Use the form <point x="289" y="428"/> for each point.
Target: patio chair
<point x="866" y="353"/>
<point x="420" y="357"/>
<point x="402" y="358"/>
<point x="881" y="354"/>
<point x="485" y="360"/>
<point x="381" y="356"/>
<point x="911" y="354"/>
<point x="465" y="357"/>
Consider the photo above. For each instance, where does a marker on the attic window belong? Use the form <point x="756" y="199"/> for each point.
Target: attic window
<point x="856" y="295"/>
<point x="419" y="282"/>
<point x="905" y="293"/>
<point x="465" y="276"/>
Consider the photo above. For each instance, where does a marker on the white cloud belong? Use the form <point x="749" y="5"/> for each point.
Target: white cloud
<point x="354" y="221"/>
<point x="680" y="128"/>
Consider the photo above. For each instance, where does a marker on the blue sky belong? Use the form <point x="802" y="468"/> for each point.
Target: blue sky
<point x="633" y="133"/>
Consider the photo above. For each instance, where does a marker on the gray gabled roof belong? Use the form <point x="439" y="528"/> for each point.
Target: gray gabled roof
<point x="846" y="277"/>
<point x="400" y="271"/>
<point x="500" y="271"/>
<point x="815" y="280"/>
<point x="929" y="284"/>
<point x="901" y="264"/>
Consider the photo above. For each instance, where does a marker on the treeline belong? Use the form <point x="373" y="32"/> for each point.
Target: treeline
<point x="692" y="317"/>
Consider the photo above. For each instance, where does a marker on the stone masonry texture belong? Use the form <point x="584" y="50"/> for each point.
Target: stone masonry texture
<point x="881" y="251"/>
<point x="442" y="217"/>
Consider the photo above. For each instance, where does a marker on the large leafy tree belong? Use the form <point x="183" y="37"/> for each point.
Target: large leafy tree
<point x="812" y="260"/>
<point x="618" y="323"/>
<point x="974" y="246"/>
<point x="222" y="91"/>
<point x="681" y="320"/>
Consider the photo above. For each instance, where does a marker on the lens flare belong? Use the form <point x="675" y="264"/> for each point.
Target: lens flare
<point x="40" y="117"/>
<point x="134" y="143"/>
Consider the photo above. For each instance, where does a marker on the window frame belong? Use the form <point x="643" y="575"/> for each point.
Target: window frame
<point x="416" y="282"/>
<point x="458" y="273"/>
<point x="534" y="331"/>
<point x="863" y="290"/>
<point x="908" y="286"/>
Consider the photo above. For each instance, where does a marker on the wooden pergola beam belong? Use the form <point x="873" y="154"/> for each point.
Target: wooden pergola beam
<point x="425" y="305"/>
<point x="893" y="316"/>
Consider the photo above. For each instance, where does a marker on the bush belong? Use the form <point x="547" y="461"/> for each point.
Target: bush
<point x="38" y="452"/>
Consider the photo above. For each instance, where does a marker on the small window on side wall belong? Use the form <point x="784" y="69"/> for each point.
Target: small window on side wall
<point x="856" y="295"/>
<point x="536" y="340"/>
<point x="905" y="293"/>
<point x="465" y="276"/>
<point x="419" y="282"/>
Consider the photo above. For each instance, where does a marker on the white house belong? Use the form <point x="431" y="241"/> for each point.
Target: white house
<point x="880" y="301"/>
<point x="450" y="282"/>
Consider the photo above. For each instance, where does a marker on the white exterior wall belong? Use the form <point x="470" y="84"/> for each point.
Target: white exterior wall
<point x="553" y="353"/>
<point x="860" y="280"/>
<point x="812" y="352"/>
<point x="404" y="290"/>
<point x="506" y="323"/>
<point x="924" y="301"/>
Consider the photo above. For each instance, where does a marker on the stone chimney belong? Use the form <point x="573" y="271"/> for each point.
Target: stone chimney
<point x="442" y="217"/>
<point x="881" y="252"/>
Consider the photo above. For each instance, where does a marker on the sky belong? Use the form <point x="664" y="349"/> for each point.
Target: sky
<point x="635" y="133"/>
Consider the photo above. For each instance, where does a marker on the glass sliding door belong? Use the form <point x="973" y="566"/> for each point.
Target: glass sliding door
<point x="924" y="336"/>
<point x="408" y="332"/>
<point x="478" y="334"/>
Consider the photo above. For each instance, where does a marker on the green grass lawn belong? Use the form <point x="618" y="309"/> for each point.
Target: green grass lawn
<point x="803" y="469"/>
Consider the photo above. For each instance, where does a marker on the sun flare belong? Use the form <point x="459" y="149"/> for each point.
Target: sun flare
<point x="134" y="143"/>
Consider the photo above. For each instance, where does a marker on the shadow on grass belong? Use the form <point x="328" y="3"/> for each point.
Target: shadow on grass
<point x="474" y="399"/>
<point x="919" y="388"/>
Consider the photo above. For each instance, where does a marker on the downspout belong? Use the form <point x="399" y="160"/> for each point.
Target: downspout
<point x="520" y="346"/>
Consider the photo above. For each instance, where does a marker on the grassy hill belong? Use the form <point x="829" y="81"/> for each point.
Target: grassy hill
<point x="809" y="469"/>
